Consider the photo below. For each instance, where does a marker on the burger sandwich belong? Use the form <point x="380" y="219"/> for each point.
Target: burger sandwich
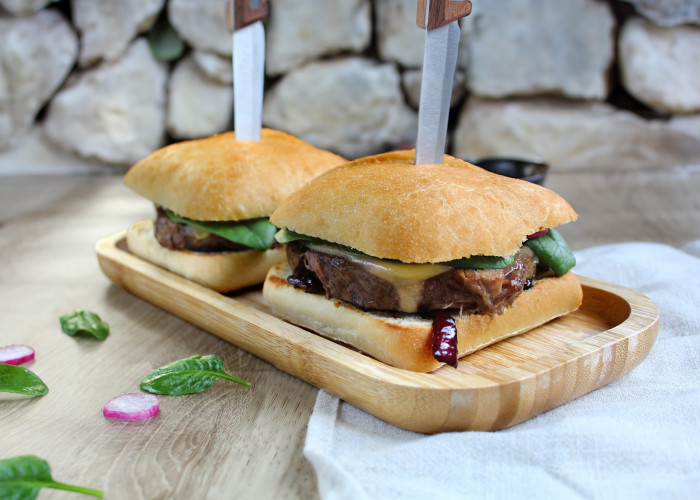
<point x="213" y="198"/>
<point x="418" y="265"/>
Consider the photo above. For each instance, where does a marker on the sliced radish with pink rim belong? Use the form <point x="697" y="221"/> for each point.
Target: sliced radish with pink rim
<point x="16" y="354"/>
<point x="133" y="406"/>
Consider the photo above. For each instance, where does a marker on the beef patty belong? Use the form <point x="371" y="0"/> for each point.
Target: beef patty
<point x="472" y="291"/>
<point x="180" y="236"/>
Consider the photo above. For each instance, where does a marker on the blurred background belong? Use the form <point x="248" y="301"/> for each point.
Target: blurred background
<point x="95" y="85"/>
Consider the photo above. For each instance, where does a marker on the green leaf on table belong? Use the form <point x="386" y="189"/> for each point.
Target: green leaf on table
<point x="188" y="376"/>
<point x="164" y="42"/>
<point x="22" y="477"/>
<point x="20" y="380"/>
<point x="553" y="252"/>
<point x="258" y="234"/>
<point x="84" y="322"/>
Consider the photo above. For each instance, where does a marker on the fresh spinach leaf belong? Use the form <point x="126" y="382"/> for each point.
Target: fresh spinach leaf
<point x="258" y="234"/>
<point x="481" y="262"/>
<point x="22" y="477"/>
<point x="84" y="322"/>
<point x="188" y="376"/>
<point x="285" y="235"/>
<point x="553" y="252"/>
<point x="21" y="380"/>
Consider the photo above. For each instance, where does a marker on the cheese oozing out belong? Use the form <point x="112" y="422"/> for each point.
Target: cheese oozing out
<point x="407" y="279"/>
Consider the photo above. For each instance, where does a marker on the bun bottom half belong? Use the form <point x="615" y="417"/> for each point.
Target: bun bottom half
<point x="405" y="340"/>
<point x="222" y="272"/>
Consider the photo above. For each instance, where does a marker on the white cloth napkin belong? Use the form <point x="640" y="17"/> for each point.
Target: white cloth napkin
<point x="638" y="437"/>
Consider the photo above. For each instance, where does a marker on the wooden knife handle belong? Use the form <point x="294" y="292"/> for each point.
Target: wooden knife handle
<point x="241" y="13"/>
<point x="442" y="12"/>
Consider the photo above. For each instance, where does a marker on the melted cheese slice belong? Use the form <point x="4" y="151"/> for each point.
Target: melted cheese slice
<point x="407" y="279"/>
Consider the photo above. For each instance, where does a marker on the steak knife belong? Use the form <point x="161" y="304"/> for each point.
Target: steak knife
<point x="246" y="20"/>
<point x="439" y="19"/>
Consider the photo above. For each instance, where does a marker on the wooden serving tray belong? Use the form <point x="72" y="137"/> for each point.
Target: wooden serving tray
<point x="499" y="386"/>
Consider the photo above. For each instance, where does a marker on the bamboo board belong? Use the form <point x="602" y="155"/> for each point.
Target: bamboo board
<point x="497" y="387"/>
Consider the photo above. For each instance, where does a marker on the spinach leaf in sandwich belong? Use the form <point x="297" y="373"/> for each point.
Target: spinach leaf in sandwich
<point x="258" y="234"/>
<point x="284" y="235"/>
<point x="553" y="252"/>
<point x="481" y="262"/>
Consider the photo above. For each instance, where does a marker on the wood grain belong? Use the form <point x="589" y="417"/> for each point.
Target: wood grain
<point x="252" y="439"/>
<point x="497" y="387"/>
<point x="618" y="206"/>
<point x="240" y="13"/>
<point x="441" y="12"/>
<point x="229" y="442"/>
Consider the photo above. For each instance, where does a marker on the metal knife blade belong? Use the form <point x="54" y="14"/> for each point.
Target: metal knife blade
<point x="439" y="64"/>
<point x="248" y="80"/>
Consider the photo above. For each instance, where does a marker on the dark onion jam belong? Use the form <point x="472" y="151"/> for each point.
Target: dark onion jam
<point x="307" y="283"/>
<point x="444" y="338"/>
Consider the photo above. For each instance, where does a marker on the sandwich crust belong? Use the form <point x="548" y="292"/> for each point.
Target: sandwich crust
<point x="222" y="272"/>
<point x="387" y="207"/>
<point x="405" y="340"/>
<point x="221" y="179"/>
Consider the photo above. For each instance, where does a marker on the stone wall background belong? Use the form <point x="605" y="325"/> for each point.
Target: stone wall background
<point x="91" y="85"/>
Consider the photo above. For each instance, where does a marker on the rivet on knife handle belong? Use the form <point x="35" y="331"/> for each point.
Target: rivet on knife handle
<point x="241" y="13"/>
<point x="441" y="12"/>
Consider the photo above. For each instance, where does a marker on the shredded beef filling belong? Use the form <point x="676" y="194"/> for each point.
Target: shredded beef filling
<point x="179" y="236"/>
<point x="469" y="290"/>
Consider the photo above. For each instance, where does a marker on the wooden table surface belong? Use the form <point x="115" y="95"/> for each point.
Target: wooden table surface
<point x="230" y="441"/>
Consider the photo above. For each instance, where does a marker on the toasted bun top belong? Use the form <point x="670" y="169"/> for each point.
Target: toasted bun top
<point x="387" y="207"/>
<point x="221" y="179"/>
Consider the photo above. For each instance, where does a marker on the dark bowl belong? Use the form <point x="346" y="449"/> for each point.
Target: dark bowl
<point x="518" y="168"/>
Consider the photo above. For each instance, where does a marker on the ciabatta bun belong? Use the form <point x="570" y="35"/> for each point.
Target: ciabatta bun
<point x="222" y="179"/>
<point x="387" y="207"/>
<point x="404" y="340"/>
<point x="222" y="272"/>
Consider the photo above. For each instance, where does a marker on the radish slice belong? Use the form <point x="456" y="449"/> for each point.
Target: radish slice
<point x="538" y="234"/>
<point x="133" y="406"/>
<point x="16" y="354"/>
